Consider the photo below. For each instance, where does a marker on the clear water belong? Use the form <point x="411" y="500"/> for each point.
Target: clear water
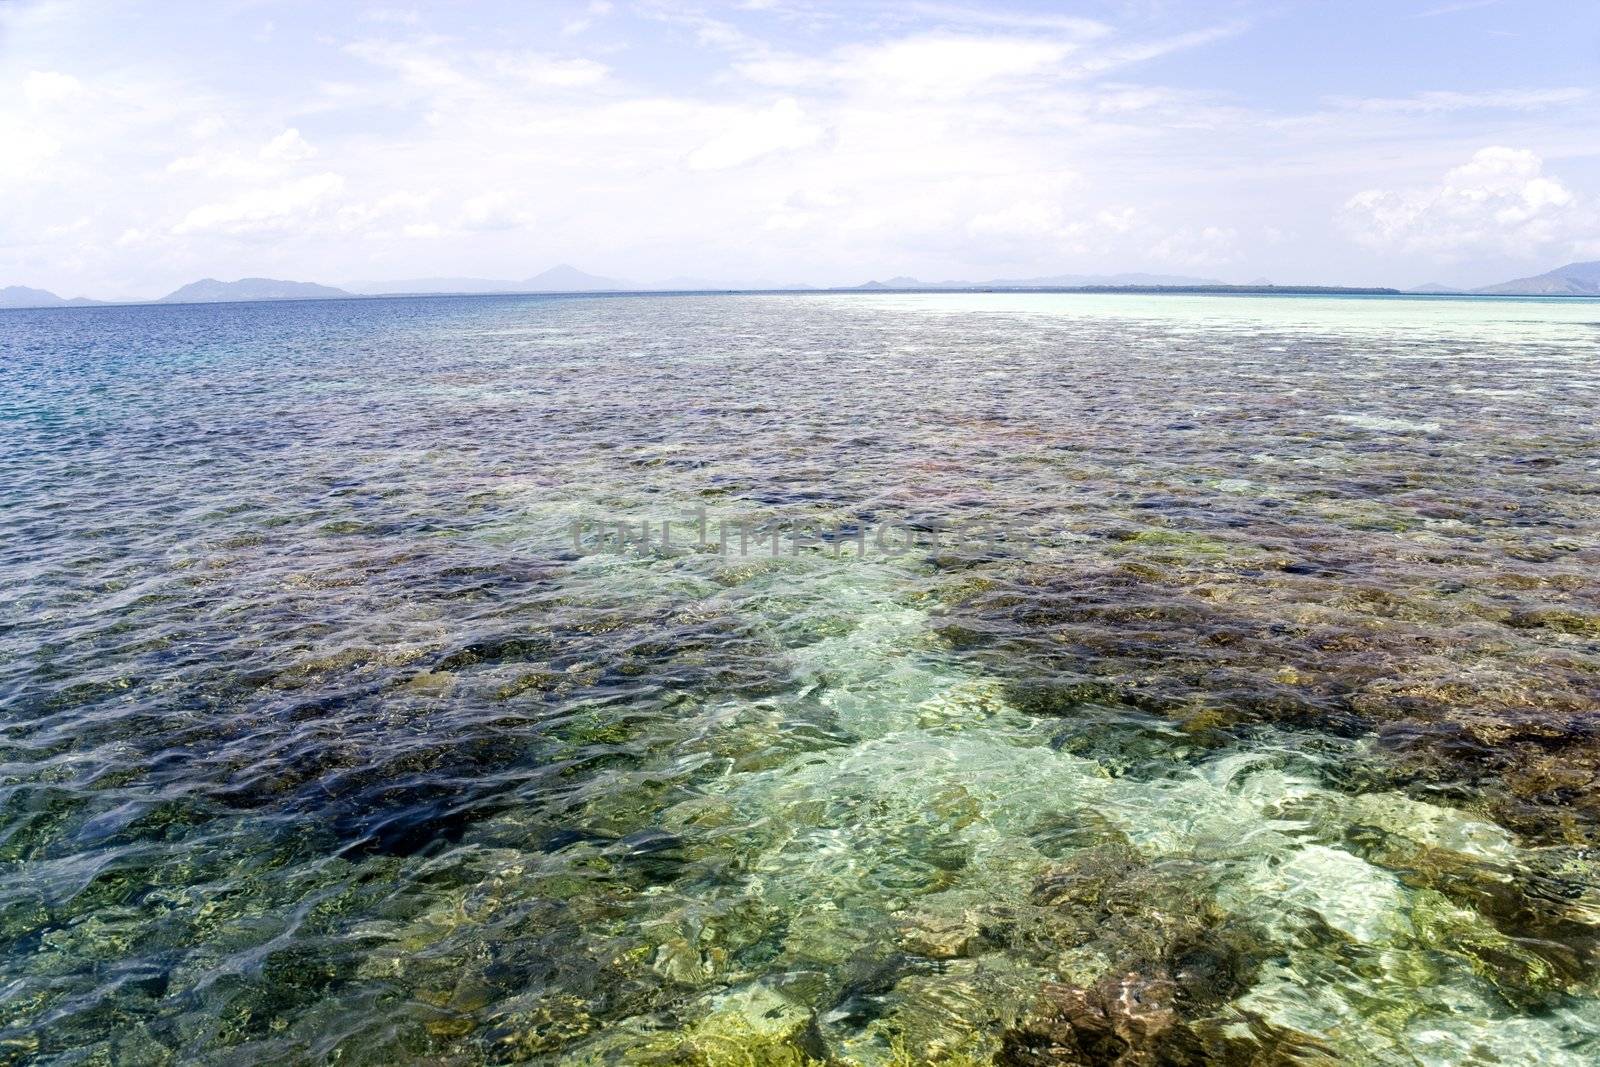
<point x="1268" y="734"/>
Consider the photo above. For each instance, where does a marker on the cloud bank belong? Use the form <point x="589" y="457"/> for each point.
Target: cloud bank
<point x="816" y="141"/>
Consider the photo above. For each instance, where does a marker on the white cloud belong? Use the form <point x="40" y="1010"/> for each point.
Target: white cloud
<point x="432" y="64"/>
<point x="940" y="138"/>
<point x="221" y="162"/>
<point x="411" y="214"/>
<point x="288" y="147"/>
<point x="1025" y="218"/>
<point x="1499" y="202"/>
<point x="1455" y="8"/>
<point x="937" y="66"/>
<point x="1197" y="246"/>
<point x="268" y="209"/>
<point x="493" y="211"/>
<point x="1052" y="232"/>
<point x="207" y="126"/>
<point x="26" y="148"/>
<point x="1119" y="221"/>
<point x="951" y="67"/>
<point x="397" y="15"/>
<point x="750" y="135"/>
<point x="994" y="15"/>
<point x="46" y="87"/>
<point x="1446" y="101"/>
<point x="214" y="164"/>
<point x="415" y="62"/>
<point x="379" y="217"/>
<point x="595" y="11"/>
<point x="546" y="71"/>
<point x="1143" y="51"/>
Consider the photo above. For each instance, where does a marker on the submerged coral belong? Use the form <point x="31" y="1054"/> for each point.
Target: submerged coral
<point x="1257" y="728"/>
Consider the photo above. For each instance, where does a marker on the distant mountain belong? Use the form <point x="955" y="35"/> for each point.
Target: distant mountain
<point x="1070" y="280"/>
<point x="566" y="278"/>
<point x="1575" y="279"/>
<point x="408" y="286"/>
<point x="1054" y="281"/>
<point x="689" y="283"/>
<point x="211" y="291"/>
<point x="569" y="279"/>
<point x="1435" y="289"/>
<point x="20" y="296"/>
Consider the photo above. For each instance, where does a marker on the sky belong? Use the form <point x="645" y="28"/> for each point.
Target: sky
<point x="143" y="146"/>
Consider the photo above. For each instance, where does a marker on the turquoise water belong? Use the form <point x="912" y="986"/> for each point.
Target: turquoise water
<point x="1265" y="731"/>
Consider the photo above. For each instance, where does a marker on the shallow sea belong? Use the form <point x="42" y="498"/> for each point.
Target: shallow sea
<point x="1252" y="718"/>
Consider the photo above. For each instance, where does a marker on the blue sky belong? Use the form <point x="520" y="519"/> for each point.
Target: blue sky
<point x="143" y="146"/>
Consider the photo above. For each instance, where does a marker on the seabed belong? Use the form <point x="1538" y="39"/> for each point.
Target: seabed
<point x="1264" y="734"/>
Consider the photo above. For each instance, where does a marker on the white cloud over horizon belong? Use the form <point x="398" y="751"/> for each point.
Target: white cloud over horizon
<point x="1499" y="201"/>
<point x="792" y="141"/>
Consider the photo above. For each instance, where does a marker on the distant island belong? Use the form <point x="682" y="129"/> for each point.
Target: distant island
<point x="1574" y="279"/>
<point x="1216" y="287"/>
<point x="20" y="296"/>
<point x="1057" y="281"/>
<point x="211" y="291"/>
<point x="563" y="278"/>
<point x="204" y="291"/>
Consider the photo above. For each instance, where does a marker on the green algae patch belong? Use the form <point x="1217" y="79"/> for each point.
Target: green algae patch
<point x="1577" y="623"/>
<point x="1182" y="544"/>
